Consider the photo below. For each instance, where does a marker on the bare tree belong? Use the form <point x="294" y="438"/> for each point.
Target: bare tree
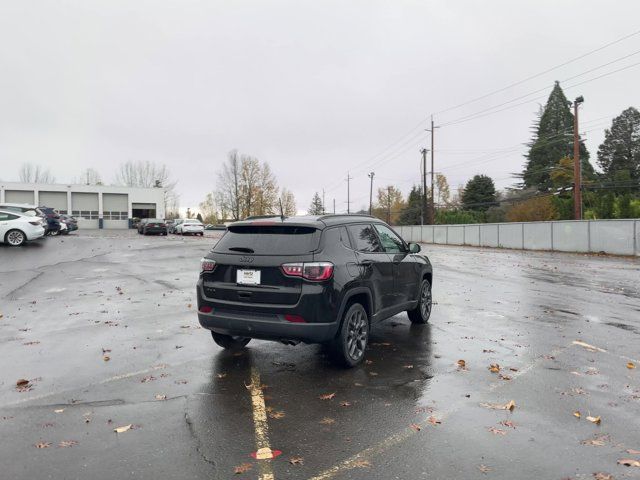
<point x="30" y="173"/>
<point x="288" y="203"/>
<point x="208" y="209"/>
<point x="267" y="196"/>
<point x="90" y="176"/>
<point x="250" y="182"/>
<point x="150" y="175"/>
<point x="229" y="185"/>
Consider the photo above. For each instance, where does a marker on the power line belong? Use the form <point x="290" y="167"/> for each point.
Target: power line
<point x="575" y="59"/>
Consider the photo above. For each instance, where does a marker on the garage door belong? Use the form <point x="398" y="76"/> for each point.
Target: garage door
<point x="57" y="200"/>
<point x="19" y="196"/>
<point x="115" y="210"/>
<point x="84" y="206"/>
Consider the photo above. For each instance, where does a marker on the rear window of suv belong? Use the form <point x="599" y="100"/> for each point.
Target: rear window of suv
<point x="268" y="240"/>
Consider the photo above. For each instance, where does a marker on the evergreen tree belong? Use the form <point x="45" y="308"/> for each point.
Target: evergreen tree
<point x="479" y="194"/>
<point x="619" y="154"/>
<point x="553" y="140"/>
<point x="316" y="207"/>
<point x="411" y="214"/>
<point x="199" y="217"/>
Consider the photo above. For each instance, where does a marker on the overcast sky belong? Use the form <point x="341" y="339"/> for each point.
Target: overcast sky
<point x="316" y="89"/>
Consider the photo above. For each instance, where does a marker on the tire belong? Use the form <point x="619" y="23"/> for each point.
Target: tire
<point x="55" y="233"/>
<point x="228" y="342"/>
<point x="350" y="344"/>
<point x="422" y="312"/>
<point x="15" y="238"/>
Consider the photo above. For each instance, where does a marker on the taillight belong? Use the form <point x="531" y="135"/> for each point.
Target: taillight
<point x="36" y="223"/>
<point x="206" y="309"/>
<point x="314" y="271"/>
<point x="294" y="318"/>
<point x="207" y="265"/>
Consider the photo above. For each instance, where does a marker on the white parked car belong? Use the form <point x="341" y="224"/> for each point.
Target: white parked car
<point x="16" y="228"/>
<point x="194" y="227"/>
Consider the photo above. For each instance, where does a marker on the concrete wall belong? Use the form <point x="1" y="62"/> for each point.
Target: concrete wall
<point x="618" y="237"/>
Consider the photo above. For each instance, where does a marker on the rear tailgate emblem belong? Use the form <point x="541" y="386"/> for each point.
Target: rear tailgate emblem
<point x="245" y="259"/>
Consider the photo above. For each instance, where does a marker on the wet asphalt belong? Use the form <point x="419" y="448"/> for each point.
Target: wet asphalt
<point x="103" y="326"/>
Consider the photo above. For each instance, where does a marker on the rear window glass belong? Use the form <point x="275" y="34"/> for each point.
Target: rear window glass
<point x="268" y="240"/>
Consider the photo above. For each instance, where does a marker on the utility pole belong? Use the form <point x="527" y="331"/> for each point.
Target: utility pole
<point x="334" y="206"/>
<point x="371" y="175"/>
<point x="424" y="185"/>
<point x="577" y="174"/>
<point x="432" y="213"/>
<point x="349" y="177"/>
<point x="323" y="209"/>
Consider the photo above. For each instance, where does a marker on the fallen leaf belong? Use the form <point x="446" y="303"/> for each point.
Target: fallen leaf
<point x="433" y="420"/>
<point x="508" y="423"/>
<point x="595" y="420"/>
<point x="484" y="468"/>
<point x="587" y="346"/>
<point x="245" y="467"/>
<point x="42" y="445"/>
<point x="496" y="431"/>
<point x="123" y="428"/>
<point x="416" y="427"/>
<point x="407" y="366"/>
<point x="327" y="421"/>
<point x="629" y="462"/>
<point x="362" y="463"/>
<point x="373" y="374"/>
<point x="147" y="379"/>
<point x="577" y="414"/>
<point x="60" y="410"/>
<point x="276" y="414"/>
<point x="504" y="377"/>
<point x="499" y="406"/>
<point x="345" y="404"/>
<point x="161" y="397"/>
<point x="296" y="461"/>
<point x="494" y="368"/>
<point x="106" y="358"/>
<point x="36" y="342"/>
<point x="603" y="476"/>
<point x="631" y="451"/>
<point x="327" y="396"/>
<point x="23" y="382"/>
<point x="67" y="443"/>
<point x="221" y="375"/>
<point x="596" y="441"/>
<point x="462" y="364"/>
<point x="189" y="306"/>
<point x="631" y="365"/>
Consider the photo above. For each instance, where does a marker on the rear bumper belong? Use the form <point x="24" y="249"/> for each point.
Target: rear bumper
<point x="268" y="322"/>
<point x="155" y="230"/>
<point x="35" y="233"/>
<point x="266" y="327"/>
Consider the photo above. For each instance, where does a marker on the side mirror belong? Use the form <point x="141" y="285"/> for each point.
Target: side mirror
<point x="414" y="248"/>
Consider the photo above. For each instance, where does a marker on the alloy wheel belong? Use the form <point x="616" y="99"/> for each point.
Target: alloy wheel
<point x="425" y="301"/>
<point x="15" y="238"/>
<point x="357" y="334"/>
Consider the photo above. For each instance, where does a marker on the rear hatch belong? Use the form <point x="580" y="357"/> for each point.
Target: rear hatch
<point x="248" y="260"/>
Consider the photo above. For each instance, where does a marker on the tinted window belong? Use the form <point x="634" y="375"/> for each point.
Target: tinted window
<point x="365" y="238"/>
<point x="268" y="240"/>
<point x="7" y="216"/>
<point x="390" y="241"/>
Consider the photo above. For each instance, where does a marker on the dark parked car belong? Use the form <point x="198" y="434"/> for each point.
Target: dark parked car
<point x="317" y="279"/>
<point x="53" y="220"/>
<point x="70" y="222"/>
<point x="152" y="225"/>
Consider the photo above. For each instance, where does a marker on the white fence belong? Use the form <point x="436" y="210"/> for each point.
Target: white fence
<point x="619" y="237"/>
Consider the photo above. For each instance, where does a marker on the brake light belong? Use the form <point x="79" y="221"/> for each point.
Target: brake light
<point x="36" y="223"/>
<point x="294" y="318"/>
<point x="314" y="271"/>
<point x="207" y="265"/>
<point x="206" y="309"/>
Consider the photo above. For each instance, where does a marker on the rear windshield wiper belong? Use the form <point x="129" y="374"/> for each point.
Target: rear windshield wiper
<point x="241" y="249"/>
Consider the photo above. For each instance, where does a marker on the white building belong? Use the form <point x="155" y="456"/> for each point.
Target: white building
<point x="95" y="206"/>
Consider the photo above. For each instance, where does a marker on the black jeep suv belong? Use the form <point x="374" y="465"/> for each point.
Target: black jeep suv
<point x="315" y="279"/>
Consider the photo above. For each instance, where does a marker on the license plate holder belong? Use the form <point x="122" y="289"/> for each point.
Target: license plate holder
<point x="248" y="277"/>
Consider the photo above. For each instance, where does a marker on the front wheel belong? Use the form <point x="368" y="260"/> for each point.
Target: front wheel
<point x="229" y="342"/>
<point x="422" y="312"/>
<point x="15" y="238"/>
<point x="350" y="344"/>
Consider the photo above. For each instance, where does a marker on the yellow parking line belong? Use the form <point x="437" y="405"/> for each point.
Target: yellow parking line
<point x="263" y="448"/>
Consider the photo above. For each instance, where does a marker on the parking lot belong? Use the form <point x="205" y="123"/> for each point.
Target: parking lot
<point x="102" y="325"/>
